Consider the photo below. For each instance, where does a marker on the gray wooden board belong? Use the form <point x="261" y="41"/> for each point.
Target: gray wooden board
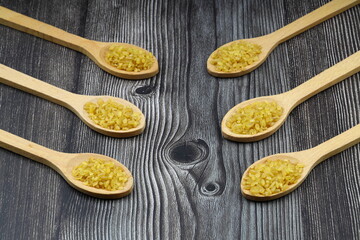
<point x="186" y="175"/>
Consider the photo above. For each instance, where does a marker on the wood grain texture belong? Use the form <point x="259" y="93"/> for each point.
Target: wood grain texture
<point x="186" y="175"/>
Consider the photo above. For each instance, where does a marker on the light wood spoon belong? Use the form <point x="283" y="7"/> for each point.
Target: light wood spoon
<point x="93" y="49"/>
<point x="289" y="100"/>
<point x="272" y="40"/>
<point x="72" y="101"/>
<point x="64" y="163"/>
<point x="309" y="158"/>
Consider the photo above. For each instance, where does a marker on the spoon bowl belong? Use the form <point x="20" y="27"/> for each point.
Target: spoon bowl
<point x="293" y="158"/>
<point x="74" y="102"/>
<point x="74" y="160"/>
<point x="290" y="99"/>
<point x="267" y="43"/>
<point x="308" y="158"/>
<point x="228" y="134"/>
<point x="64" y="163"/>
<point x="78" y="109"/>
<point x="95" y="50"/>
<point x="270" y="41"/>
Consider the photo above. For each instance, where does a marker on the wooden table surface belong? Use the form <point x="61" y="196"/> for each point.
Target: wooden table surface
<point x="186" y="175"/>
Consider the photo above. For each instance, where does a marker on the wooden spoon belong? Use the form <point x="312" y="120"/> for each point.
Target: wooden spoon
<point x="309" y="158"/>
<point x="270" y="41"/>
<point x="72" y="101"/>
<point x="63" y="163"/>
<point x="93" y="49"/>
<point x="289" y="100"/>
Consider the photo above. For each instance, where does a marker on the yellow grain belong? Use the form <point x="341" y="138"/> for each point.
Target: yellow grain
<point x="129" y="58"/>
<point x="235" y="57"/>
<point x="254" y="118"/>
<point x="112" y="115"/>
<point x="101" y="174"/>
<point x="272" y="176"/>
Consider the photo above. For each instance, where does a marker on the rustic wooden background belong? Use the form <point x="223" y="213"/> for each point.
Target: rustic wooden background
<point x="186" y="175"/>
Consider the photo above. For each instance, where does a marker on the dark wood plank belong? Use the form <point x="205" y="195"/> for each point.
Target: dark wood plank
<point x="186" y="175"/>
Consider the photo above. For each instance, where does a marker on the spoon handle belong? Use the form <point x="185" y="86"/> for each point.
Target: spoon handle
<point x="334" y="146"/>
<point x="31" y="150"/>
<point x="324" y="80"/>
<point x="42" y="30"/>
<point x="315" y="17"/>
<point x="34" y="86"/>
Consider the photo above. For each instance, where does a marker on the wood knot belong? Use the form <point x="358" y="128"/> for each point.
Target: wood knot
<point x="189" y="151"/>
<point x="145" y="90"/>
<point x="211" y="189"/>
